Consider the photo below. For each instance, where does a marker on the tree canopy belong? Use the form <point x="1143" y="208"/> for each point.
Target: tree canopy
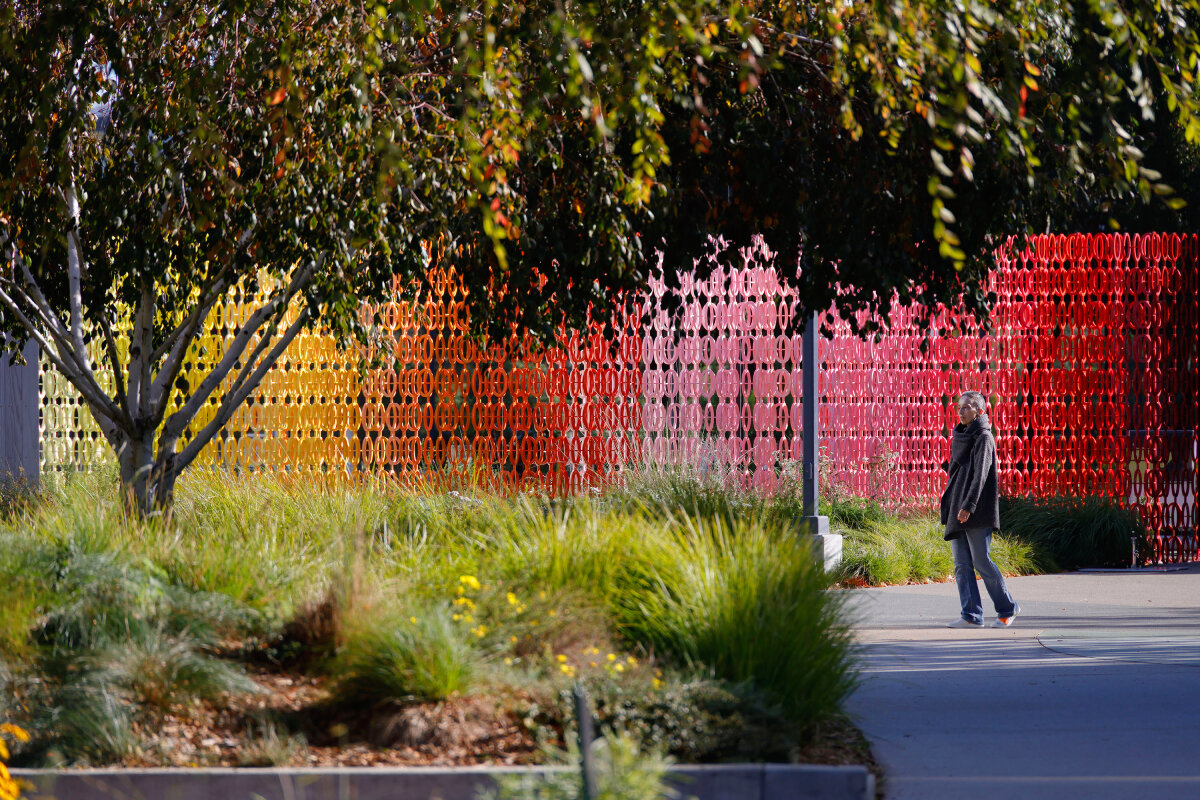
<point x="155" y="153"/>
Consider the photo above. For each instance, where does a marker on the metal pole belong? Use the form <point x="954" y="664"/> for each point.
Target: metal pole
<point x="587" y="735"/>
<point x="813" y="522"/>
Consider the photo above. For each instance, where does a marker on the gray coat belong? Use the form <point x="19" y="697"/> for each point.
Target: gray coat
<point x="973" y="483"/>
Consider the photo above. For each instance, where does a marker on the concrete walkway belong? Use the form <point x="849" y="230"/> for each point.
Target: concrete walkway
<point x="1094" y="693"/>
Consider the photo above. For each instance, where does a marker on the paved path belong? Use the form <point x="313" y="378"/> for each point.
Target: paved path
<point x="1094" y="693"/>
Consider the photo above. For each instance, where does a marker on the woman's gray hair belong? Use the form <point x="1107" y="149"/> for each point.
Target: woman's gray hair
<point x="976" y="399"/>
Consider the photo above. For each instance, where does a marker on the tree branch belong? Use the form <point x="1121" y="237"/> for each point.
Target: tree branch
<point x="145" y="343"/>
<point x="110" y="344"/>
<point x="248" y="364"/>
<point x="214" y="293"/>
<point x="234" y="400"/>
<point x="160" y="390"/>
<point x="75" y="273"/>
<point x="199" y="313"/>
<point x="54" y="326"/>
<point x="180" y="419"/>
<point x="61" y="353"/>
<point x="100" y="403"/>
<point x="135" y="361"/>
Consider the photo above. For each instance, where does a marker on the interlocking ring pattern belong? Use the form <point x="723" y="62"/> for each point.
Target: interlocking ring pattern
<point x="1091" y="373"/>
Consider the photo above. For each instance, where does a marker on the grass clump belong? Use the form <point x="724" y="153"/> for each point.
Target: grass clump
<point x="748" y="605"/>
<point x="114" y="643"/>
<point x="913" y="549"/>
<point x="158" y="669"/>
<point x="17" y="496"/>
<point x="269" y="745"/>
<point x="1075" y="532"/>
<point x="425" y="656"/>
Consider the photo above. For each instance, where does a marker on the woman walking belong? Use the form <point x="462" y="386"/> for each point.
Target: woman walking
<point x="971" y="512"/>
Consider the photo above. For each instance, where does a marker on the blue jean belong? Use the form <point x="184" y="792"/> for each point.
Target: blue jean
<point x="972" y="551"/>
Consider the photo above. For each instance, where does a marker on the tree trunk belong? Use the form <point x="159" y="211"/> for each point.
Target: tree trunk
<point x="139" y="483"/>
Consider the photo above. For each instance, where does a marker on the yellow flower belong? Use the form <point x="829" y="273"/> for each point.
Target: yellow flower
<point x="612" y="657"/>
<point x="591" y="663"/>
<point x="9" y="789"/>
<point x="465" y="601"/>
<point x="512" y="599"/>
<point x="566" y="669"/>
<point x="508" y="662"/>
<point x="618" y="667"/>
<point x="595" y="651"/>
<point x="631" y="661"/>
<point x="14" y="731"/>
<point x="656" y="683"/>
<point x="471" y="582"/>
<point x="456" y="617"/>
<point x="480" y="632"/>
<point x="413" y="620"/>
<point x="552" y="613"/>
<point x="561" y="658"/>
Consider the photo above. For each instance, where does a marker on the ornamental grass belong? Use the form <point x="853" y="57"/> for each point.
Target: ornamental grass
<point x="385" y="597"/>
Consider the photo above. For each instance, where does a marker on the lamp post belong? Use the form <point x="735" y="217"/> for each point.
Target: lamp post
<point x="828" y="546"/>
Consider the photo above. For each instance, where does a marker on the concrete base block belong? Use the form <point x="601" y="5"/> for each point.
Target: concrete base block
<point x="828" y="548"/>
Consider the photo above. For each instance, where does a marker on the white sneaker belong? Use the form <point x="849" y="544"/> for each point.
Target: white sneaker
<point x="1006" y="622"/>
<point x="963" y="623"/>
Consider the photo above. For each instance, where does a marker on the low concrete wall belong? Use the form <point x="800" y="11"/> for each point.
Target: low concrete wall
<point x="716" y="782"/>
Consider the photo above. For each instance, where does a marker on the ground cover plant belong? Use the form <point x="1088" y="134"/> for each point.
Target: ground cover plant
<point x="270" y="621"/>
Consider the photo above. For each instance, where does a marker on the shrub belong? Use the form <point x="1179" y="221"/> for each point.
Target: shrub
<point x="700" y="721"/>
<point x="749" y="606"/>
<point x="396" y="658"/>
<point x="711" y="489"/>
<point x="1071" y="533"/>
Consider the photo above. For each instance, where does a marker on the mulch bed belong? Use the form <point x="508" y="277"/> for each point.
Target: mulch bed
<point x="477" y="730"/>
